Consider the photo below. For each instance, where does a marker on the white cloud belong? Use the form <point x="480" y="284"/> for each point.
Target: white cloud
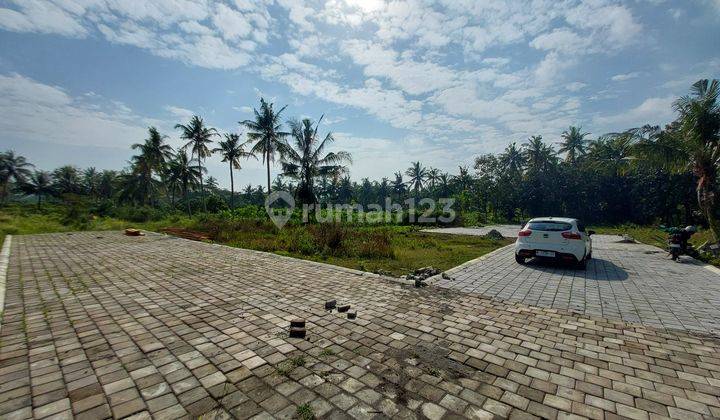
<point x="575" y="86"/>
<point x="625" y="76"/>
<point x="168" y="28"/>
<point x="413" y="77"/>
<point x="40" y="16"/>
<point x="35" y="111"/>
<point x="179" y="112"/>
<point x="562" y="40"/>
<point x="656" y="111"/>
<point x="231" y="23"/>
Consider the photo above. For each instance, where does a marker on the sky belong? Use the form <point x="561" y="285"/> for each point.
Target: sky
<point x="399" y="81"/>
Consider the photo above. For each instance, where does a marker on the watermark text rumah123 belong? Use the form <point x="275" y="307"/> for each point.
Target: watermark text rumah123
<point x="280" y="206"/>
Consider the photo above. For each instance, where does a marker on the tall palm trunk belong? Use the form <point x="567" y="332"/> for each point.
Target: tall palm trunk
<point x="232" y="188"/>
<point x="202" y="187"/>
<point x="267" y="157"/>
<point x="706" y="201"/>
<point x="187" y="200"/>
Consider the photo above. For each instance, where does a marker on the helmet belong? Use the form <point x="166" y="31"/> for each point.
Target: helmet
<point x="691" y="229"/>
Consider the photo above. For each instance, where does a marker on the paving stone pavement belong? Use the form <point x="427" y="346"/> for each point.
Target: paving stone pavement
<point x="508" y="231"/>
<point x="628" y="281"/>
<point x="103" y="325"/>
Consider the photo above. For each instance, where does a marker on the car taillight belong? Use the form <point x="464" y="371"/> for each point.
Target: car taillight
<point x="525" y="232"/>
<point x="571" y="235"/>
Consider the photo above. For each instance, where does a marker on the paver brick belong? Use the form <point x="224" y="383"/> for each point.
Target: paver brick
<point x="163" y="327"/>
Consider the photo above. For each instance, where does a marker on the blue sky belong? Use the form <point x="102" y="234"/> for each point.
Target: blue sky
<point x="439" y="82"/>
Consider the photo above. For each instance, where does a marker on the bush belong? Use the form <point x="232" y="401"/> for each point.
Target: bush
<point x="297" y="240"/>
<point x="376" y="245"/>
<point x="329" y="237"/>
<point x="215" y="203"/>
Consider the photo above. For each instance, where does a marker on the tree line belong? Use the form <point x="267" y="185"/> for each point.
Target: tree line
<point x="641" y="175"/>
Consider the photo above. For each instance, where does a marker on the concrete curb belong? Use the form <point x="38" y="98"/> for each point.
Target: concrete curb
<point x="4" y="261"/>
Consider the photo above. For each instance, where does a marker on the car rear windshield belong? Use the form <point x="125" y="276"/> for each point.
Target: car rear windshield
<point x="549" y="225"/>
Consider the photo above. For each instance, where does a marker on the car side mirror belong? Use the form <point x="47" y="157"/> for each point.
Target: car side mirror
<point x="591" y="232"/>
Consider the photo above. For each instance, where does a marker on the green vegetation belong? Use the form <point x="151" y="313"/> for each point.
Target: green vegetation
<point x="388" y="249"/>
<point x="642" y="176"/>
<point x="289" y="365"/>
<point x="305" y="412"/>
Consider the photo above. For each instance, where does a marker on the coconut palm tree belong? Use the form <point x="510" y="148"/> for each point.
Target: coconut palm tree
<point x="231" y="150"/>
<point x="155" y="150"/>
<point x="106" y="186"/>
<point x="699" y="131"/>
<point x="573" y="144"/>
<point x="66" y="180"/>
<point x="538" y="155"/>
<point x="306" y="159"/>
<point x="91" y="181"/>
<point x="12" y="167"/>
<point x="612" y="152"/>
<point x="512" y="160"/>
<point x="182" y="174"/>
<point x="463" y="179"/>
<point x="138" y="184"/>
<point x="418" y="175"/>
<point x="398" y="186"/>
<point x="433" y="176"/>
<point x="39" y="183"/>
<point x="198" y="137"/>
<point x="265" y="132"/>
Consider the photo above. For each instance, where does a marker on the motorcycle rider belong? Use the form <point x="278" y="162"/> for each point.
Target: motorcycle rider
<point x="678" y="239"/>
<point x="685" y="235"/>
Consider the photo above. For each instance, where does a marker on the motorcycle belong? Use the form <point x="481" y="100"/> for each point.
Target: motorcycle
<point x="678" y="240"/>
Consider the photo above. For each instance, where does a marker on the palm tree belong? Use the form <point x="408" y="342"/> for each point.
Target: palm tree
<point x="38" y="184"/>
<point x="612" y="152"/>
<point x="12" y="167"/>
<point x="67" y="180"/>
<point x="444" y="184"/>
<point x="418" y="174"/>
<point x="106" y="186"/>
<point x="538" y="155"/>
<point x="138" y="183"/>
<point x="463" y="179"/>
<point x="182" y="174"/>
<point x="433" y="176"/>
<point x="265" y="133"/>
<point x="198" y="138"/>
<point x="398" y="186"/>
<point x="307" y="160"/>
<point x="700" y="133"/>
<point x="512" y="160"/>
<point x="573" y="143"/>
<point x="91" y="181"/>
<point x="155" y="150"/>
<point x="232" y="151"/>
<point x="212" y="184"/>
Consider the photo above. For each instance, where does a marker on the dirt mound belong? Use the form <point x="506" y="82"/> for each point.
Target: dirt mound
<point x="186" y="233"/>
<point x="494" y="234"/>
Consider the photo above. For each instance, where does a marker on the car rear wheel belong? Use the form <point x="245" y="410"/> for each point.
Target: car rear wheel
<point x="519" y="259"/>
<point x="582" y="264"/>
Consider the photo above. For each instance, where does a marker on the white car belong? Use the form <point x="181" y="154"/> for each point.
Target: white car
<point x="558" y="238"/>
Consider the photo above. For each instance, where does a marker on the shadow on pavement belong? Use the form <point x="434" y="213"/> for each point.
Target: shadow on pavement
<point x="597" y="269"/>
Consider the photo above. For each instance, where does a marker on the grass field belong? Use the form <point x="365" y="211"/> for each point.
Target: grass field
<point x="395" y="250"/>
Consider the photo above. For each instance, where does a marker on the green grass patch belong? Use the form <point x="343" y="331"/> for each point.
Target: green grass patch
<point x="386" y="249"/>
<point x="305" y="412"/>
